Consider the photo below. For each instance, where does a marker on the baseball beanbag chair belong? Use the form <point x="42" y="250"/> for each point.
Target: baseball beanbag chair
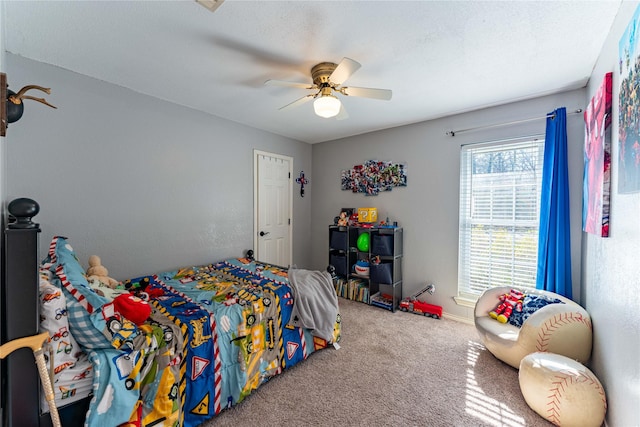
<point x="547" y="322"/>
<point x="562" y="391"/>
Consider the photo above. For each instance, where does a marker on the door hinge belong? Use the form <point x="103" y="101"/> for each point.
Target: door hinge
<point x="289" y="221"/>
<point x="289" y="175"/>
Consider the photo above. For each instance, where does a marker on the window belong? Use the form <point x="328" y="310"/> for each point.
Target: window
<point x="499" y="215"/>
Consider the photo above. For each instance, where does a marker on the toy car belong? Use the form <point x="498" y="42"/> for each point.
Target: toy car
<point x="413" y="305"/>
<point x="419" y="307"/>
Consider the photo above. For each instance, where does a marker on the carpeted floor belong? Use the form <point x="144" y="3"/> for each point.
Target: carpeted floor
<point x="393" y="369"/>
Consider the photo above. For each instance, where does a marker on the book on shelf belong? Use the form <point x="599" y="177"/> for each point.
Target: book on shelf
<point x="354" y="289"/>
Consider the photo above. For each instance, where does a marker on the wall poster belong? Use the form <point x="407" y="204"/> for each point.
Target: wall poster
<point x="629" y="103"/>
<point x="596" y="188"/>
<point x="374" y="176"/>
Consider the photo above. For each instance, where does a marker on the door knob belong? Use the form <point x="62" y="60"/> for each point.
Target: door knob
<point x="264" y="233"/>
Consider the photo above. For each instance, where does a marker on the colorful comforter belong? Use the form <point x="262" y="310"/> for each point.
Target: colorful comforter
<point x="216" y="333"/>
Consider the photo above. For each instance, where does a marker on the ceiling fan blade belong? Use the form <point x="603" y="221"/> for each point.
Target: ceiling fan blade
<point x="365" y="92"/>
<point x="298" y="101"/>
<point x="290" y="84"/>
<point x="342" y="114"/>
<point x="344" y="70"/>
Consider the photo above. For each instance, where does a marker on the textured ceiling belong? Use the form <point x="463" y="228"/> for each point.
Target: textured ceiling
<point x="438" y="57"/>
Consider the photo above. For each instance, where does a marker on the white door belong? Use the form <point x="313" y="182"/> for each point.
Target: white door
<point x="273" y="208"/>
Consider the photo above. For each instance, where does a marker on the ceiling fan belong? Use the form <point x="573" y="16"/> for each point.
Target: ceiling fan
<point x="328" y="78"/>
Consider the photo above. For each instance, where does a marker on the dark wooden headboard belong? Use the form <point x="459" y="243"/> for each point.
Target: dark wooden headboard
<point x="20" y="317"/>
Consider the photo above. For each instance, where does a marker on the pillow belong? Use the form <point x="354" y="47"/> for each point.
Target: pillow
<point x="92" y="318"/>
<point x="69" y="275"/>
<point x="64" y="261"/>
<point x="530" y="305"/>
<point x="71" y="384"/>
<point x="53" y="319"/>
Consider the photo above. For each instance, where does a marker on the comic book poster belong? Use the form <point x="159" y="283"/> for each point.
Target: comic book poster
<point x="629" y="104"/>
<point x="597" y="161"/>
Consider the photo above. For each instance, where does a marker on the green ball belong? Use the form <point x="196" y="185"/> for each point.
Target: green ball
<point x="363" y="242"/>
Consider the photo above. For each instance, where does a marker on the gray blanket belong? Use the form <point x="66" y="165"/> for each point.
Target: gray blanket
<point x="315" y="303"/>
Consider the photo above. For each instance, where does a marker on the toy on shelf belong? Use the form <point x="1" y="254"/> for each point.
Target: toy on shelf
<point x="353" y="220"/>
<point x="367" y="215"/>
<point x="413" y="305"/>
<point x="361" y="268"/>
<point x="342" y="220"/>
<point x="364" y="242"/>
<point x="387" y="224"/>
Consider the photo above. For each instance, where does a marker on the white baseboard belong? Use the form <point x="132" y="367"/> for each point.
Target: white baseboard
<point x="458" y="318"/>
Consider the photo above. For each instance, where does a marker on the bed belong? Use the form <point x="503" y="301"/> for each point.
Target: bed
<point x="214" y="333"/>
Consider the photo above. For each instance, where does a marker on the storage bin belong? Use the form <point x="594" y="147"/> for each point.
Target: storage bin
<point x="382" y="244"/>
<point x="339" y="262"/>
<point x="338" y="239"/>
<point x="381" y="273"/>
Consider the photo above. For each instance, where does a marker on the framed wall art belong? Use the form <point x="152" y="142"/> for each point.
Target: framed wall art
<point x="374" y="176"/>
<point x="629" y="104"/>
<point x="597" y="161"/>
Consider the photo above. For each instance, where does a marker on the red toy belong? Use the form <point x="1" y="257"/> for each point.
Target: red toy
<point x="133" y="308"/>
<point x="507" y="303"/>
<point x="413" y="305"/>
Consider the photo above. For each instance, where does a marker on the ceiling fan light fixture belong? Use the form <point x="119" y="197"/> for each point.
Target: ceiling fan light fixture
<point x="212" y="5"/>
<point x="327" y="106"/>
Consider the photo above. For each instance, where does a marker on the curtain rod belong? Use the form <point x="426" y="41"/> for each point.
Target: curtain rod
<point x="453" y="133"/>
<point x="534" y="137"/>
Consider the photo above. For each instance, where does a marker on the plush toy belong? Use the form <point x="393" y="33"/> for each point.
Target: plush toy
<point x="132" y="307"/>
<point x="343" y="218"/>
<point x="99" y="272"/>
<point x="137" y="288"/>
<point x="141" y="290"/>
<point x="508" y="302"/>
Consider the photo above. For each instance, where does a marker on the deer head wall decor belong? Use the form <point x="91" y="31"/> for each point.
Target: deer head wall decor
<point x="13" y="107"/>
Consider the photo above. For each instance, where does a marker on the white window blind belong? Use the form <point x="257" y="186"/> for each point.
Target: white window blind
<point x="499" y="215"/>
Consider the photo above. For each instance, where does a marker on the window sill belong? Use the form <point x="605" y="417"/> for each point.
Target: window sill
<point x="465" y="301"/>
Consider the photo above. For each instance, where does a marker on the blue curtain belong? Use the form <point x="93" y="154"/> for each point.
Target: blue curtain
<point x="554" y="241"/>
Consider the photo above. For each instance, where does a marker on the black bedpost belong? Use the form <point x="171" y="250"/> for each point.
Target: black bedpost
<point x="20" y="315"/>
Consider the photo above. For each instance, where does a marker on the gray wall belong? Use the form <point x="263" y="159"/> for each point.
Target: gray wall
<point x="143" y="183"/>
<point x="427" y="208"/>
<point x="611" y="268"/>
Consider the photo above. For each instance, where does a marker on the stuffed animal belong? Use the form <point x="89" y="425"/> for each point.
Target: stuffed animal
<point x="99" y="272"/>
<point x="137" y="288"/>
<point x="508" y="302"/>
<point x="141" y="290"/>
<point x="132" y="307"/>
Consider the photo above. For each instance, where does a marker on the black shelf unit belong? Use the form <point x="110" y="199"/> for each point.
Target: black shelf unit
<point x="383" y="286"/>
<point x="342" y="249"/>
